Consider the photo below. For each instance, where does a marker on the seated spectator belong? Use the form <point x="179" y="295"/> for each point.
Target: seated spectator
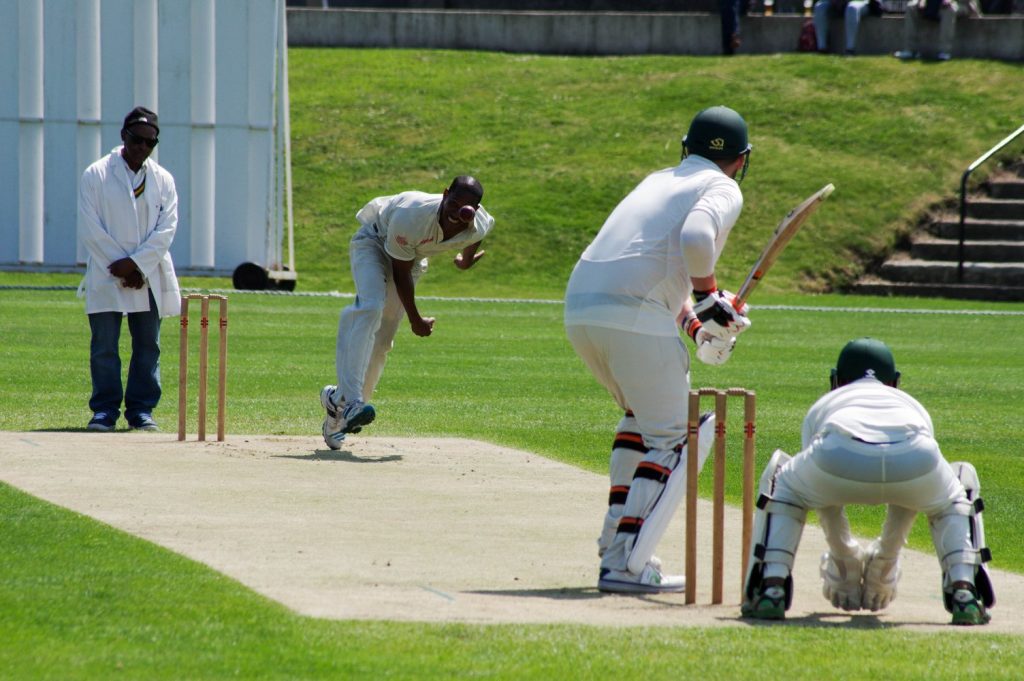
<point x="942" y="11"/>
<point x="852" y="12"/>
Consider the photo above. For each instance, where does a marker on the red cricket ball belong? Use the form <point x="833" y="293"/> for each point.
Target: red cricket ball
<point x="467" y="213"/>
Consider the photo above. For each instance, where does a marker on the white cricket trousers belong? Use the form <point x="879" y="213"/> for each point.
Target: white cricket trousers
<point x="649" y="376"/>
<point x="367" y="327"/>
<point x="836" y="470"/>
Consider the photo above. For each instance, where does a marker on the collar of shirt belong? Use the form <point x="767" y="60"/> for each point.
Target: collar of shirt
<point x="134" y="178"/>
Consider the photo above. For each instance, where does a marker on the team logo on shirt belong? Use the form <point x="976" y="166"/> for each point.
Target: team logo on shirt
<point x="402" y="240"/>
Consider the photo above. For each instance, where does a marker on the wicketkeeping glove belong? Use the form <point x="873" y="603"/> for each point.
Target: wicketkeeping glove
<point x="717" y="315"/>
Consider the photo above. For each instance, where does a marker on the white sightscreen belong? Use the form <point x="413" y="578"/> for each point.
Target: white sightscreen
<point x="214" y="71"/>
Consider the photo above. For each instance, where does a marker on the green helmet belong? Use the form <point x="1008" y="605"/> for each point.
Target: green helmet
<point x="865" y="358"/>
<point x="716" y="133"/>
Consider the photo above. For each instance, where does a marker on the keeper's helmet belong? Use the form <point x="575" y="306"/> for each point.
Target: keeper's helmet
<point x="865" y="358"/>
<point x="717" y="133"/>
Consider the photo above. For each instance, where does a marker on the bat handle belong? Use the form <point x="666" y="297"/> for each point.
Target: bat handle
<point x="740" y="299"/>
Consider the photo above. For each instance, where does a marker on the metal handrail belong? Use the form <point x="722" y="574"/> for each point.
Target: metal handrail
<point x="963" y="194"/>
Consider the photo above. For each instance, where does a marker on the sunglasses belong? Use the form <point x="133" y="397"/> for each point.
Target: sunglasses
<point x="138" y="139"/>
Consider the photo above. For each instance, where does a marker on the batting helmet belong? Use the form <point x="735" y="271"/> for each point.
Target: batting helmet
<point x="717" y="133"/>
<point x="865" y="358"/>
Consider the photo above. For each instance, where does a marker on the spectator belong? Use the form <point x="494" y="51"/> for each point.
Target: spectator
<point x="852" y="12"/>
<point x="128" y="207"/>
<point x="942" y="11"/>
<point x="730" y="11"/>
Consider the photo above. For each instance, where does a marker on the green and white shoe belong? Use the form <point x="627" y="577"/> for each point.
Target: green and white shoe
<point x="769" y="603"/>
<point x="967" y="608"/>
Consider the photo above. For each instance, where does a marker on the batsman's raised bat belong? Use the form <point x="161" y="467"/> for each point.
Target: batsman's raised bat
<point x="783" y="233"/>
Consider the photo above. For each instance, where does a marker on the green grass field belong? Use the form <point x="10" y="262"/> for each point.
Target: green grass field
<point x="556" y="141"/>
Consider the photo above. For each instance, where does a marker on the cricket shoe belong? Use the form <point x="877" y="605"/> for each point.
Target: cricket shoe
<point x="343" y="419"/>
<point x="967" y="608"/>
<point x="327" y="402"/>
<point x="650" y="581"/>
<point x="769" y="601"/>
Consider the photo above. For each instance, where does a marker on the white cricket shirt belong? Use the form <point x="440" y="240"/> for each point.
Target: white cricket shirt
<point x="407" y="224"/>
<point x="869" y="411"/>
<point x="633" y="276"/>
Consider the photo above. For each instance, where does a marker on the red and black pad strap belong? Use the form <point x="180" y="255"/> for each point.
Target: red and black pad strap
<point x="631" y="525"/>
<point x="652" y="471"/>
<point x="633" y="441"/>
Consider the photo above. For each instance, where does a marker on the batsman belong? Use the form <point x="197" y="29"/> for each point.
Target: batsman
<point x="626" y="299"/>
<point x="868" y="442"/>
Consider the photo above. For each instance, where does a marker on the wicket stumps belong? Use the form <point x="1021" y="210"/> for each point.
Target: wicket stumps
<point x="718" y="508"/>
<point x="204" y="360"/>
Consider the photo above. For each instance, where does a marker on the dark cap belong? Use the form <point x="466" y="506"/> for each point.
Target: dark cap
<point x="866" y="358"/>
<point x="141" y="114"/>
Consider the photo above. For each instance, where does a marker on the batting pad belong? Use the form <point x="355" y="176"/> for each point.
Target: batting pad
<point x="672" y="494"/>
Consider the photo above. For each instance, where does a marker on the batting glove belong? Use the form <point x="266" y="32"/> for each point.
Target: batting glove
<point x="717" y="316"/>
<point x="712" y="350"/>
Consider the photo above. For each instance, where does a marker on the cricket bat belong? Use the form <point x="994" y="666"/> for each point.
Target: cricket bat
<point x="783" y="233"/>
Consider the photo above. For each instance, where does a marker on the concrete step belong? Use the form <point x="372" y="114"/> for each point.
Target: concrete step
<point x="995" y="209"/>
<point x="945" y="272"/>
<point x="928" y="248"/>
<point x="875" y="286"/>
<point x="1006" y="189"/>
<point x="948" y="227"/>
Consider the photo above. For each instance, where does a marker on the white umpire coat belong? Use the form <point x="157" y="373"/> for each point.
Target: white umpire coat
<point x="110" y="229"/>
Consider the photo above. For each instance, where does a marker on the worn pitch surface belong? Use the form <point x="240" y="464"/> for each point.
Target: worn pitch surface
<point x="433" y="530"/>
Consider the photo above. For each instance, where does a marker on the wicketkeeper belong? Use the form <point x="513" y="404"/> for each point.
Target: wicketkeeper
<point x="867" y="442"/>
<point x="624" y="304"/>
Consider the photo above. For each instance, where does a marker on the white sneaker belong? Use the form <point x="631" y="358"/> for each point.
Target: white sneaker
<point x="332" y="436"/>
<point x="332" y="428"/>
<point x="650" y="581"/>
<point x="326" y="393"/>
<point x="355" y="415"/>
<point x="343" y="419"/>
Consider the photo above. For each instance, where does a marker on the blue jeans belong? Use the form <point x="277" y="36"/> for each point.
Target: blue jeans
<point x="730" y="23"/>
<point x="143" y="389"/>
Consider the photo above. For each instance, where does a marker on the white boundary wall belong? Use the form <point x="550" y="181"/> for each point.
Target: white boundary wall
<point x="214" y="72"/>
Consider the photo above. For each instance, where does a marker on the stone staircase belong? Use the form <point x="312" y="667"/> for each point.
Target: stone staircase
<point x="993" y="250"/>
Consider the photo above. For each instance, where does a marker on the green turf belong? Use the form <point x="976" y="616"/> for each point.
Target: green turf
<point x="556" y="141"/>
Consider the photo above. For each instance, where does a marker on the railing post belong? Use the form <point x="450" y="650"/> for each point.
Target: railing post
<point x="963" y="195"/>
<point x="963" y="219"/>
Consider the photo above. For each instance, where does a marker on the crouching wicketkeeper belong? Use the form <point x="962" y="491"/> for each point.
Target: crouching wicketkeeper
<point x="867" y="442"/>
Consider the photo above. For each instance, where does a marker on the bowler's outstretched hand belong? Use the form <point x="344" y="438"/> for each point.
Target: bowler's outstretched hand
<point x="465" y="263"/>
